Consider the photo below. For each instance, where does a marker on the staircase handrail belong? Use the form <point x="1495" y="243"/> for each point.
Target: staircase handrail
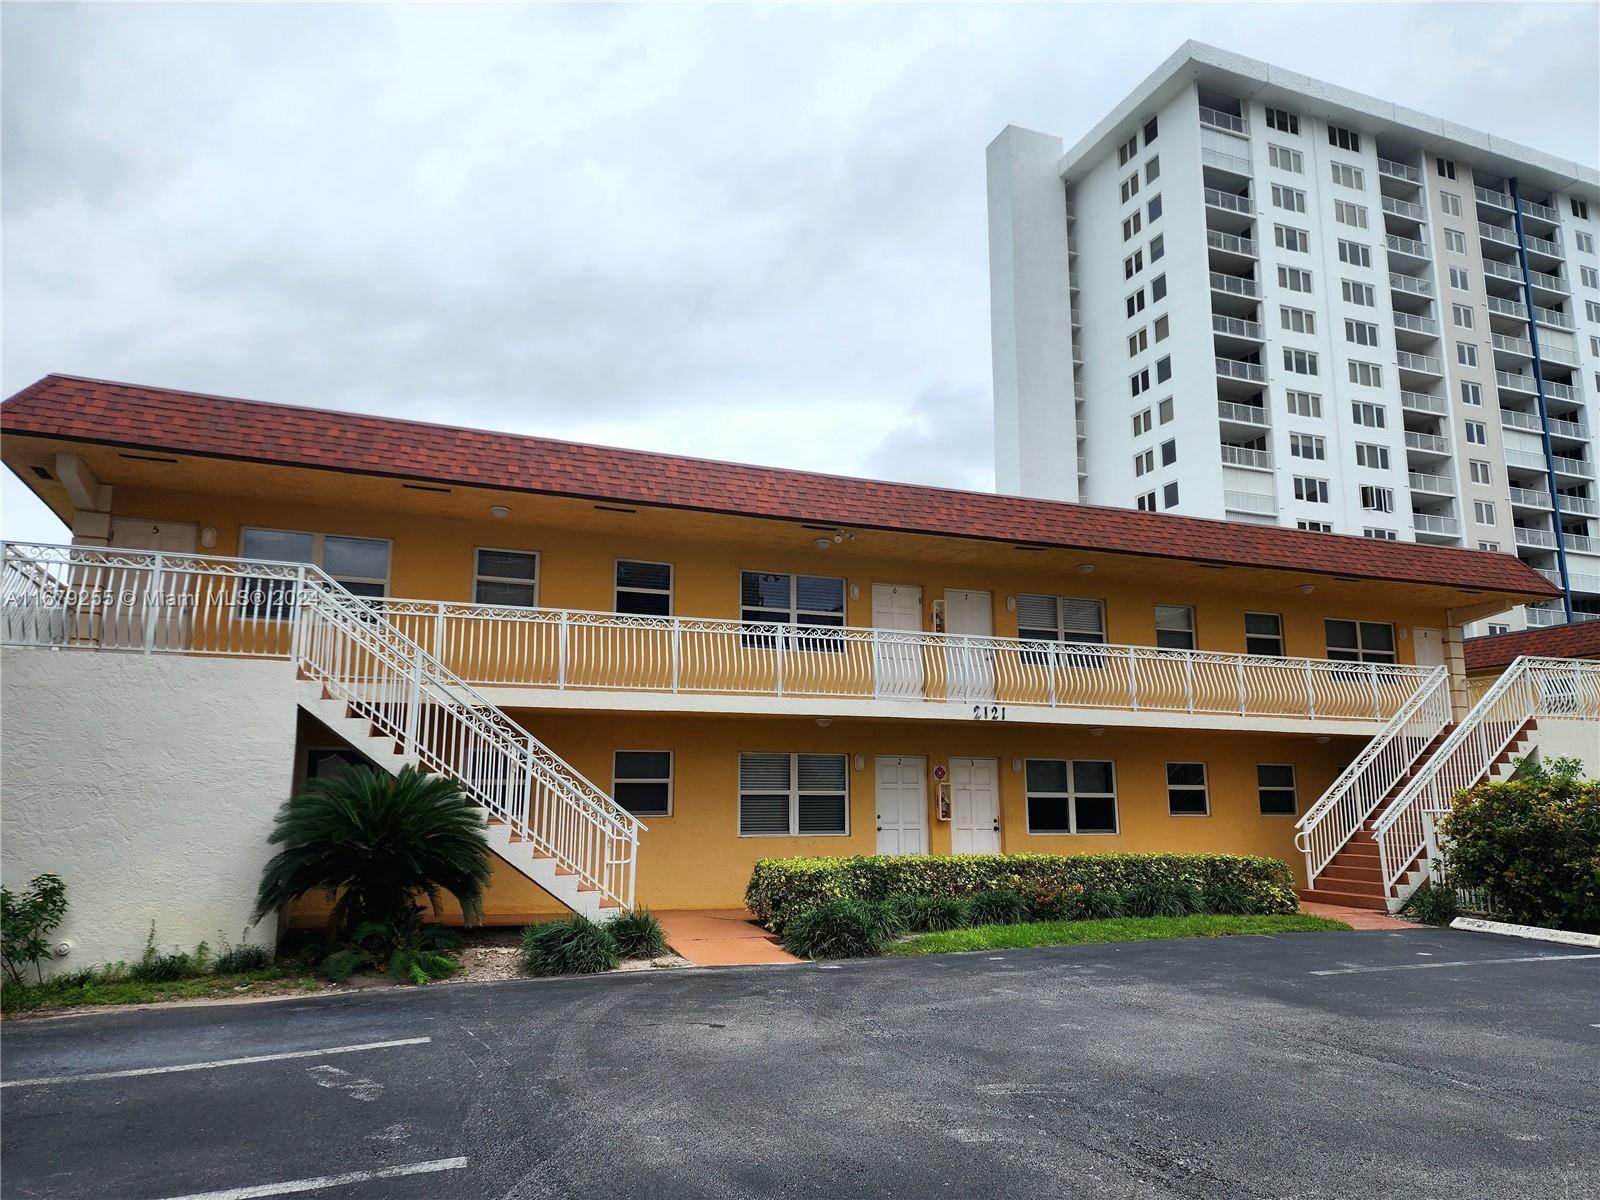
<point x="1465" y="757"/>
<point x="1329" y="823"/>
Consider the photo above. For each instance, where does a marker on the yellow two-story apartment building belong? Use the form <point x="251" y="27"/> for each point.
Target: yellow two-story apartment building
<point x="654" y="670"/>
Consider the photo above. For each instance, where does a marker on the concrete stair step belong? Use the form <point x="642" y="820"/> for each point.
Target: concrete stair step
<point x="1346" y="899"/>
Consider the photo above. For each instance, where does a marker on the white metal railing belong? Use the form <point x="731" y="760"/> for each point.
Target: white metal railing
<point x="1552" y="283"/>
<point x="1422" y="402"/>
<point x="1516" y="381"/>
<point x="1529" y="689"/>
<point x="1493" y="198"/>
<point x="1418" y="362"/>
<point x="1243" y="414"/>
<point x="1231" y="243"/>
<point x="1422" y="482"/>
<point x="149" y="602"/>
<point x="1430" y="442"/>
<point x="1245" y="456"/>
<point x="1225" y="162"/>
<point x="1404" y="208"/>
<point x="1529" y="498"/>
<point x="1249" y="502"/>
<point x="574" y="650"/>
<point x="1373" y="774"/>
<point x="1428" y="523"/>
<point x="1558" y="427"/>
<point x="1512" y="345"/>
<point x="1415" y="324"/>
<point x="1553" y="317"/>
<point x="1508" y="308"/>
<point x="1497" y="233"/>
<point x="1234" y="284"/>
<point x="1217" y="198"/>
<point x="1557" y="354"/>
<point x="1233" y="368"/>
<point x="1236" y="327"/>
<point x="1534" y="537"/>
<point x="1500" y="270"/>
<point x="1221" y="120"/>
<point x="1410" y="246"/>
<point x="1546" y="246"/>
<point x="1410" y="283"/>
<point x="1578" y="504"/>
<point x="1560" y="391"/>
<point x="1533" y="208"/>
<point x="1398" y="170"/>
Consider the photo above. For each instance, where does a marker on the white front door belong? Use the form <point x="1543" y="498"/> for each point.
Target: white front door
<point x="897" y="664"/>
<point x="974" y="806"/>
<point x="971" y="666"/>
<point x="902" y="805"/>
<point x="1428" y="646"/>
<point x="170" y="626"/>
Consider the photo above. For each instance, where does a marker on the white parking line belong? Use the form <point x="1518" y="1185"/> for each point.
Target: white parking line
<point x="209" y="1066"/>
<point x="289" y="1187"/>
<point x="1466" y="962"/>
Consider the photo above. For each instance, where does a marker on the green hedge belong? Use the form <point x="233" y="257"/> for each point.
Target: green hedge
<point x="782" y="887"/>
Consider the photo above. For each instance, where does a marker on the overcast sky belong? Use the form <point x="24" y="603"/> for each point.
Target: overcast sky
<point x="748" y="233"/>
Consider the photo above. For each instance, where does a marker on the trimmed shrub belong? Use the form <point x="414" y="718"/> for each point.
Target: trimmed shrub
<point x="1049" y="903"/>
<point x="573" y="946"/>
<point x="637" y="934"/>
<point x="1432" y="905"/>
<point x="1230" y="899"/>
<point x="933" y="914"/>
<point x="1534" y="846"/>
<point x="1159" y="897"/>
<point x="1106" y="905"/>
<point x="782" y="887"/>
<point x="1000" y="906"/>
<point x="836" y="929"/>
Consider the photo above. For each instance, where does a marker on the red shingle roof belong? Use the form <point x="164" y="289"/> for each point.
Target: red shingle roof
<point x="189" y="423"/>
<point x="1579" y="640"/>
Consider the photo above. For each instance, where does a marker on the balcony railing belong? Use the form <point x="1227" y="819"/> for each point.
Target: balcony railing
<point x="1497" y="233"/>
<point x="1492" y="198"/>
<point x="1421" y="402"/>
<point x="1220" y="199"/>
<point x="1418" y="362"/>
<point x="1232" y="243"/>
<point x="1512" y="345"/>
<point x="1558" y="427"/>
<point x="1430" y="442"/>
<point x="1539" y="245"/>
<point x="1579" y="505"/>
<point x="1537" y="538"/>
<point x="1235" y="285"/>
<point x="1544" y="212"/>
<point x="1243" y="414"/>
<point x="1232" y="368"/>
<point x="1236" y="327"/>
<point x="1508" y="308"/>
<point x="1553" y="317"/>
<point x="1556" y="354"/>
<point x="1428" y="523"/>
<point x="1397" y="170"/>
<point x="1404" y="208"/>
<point x="1534" y="461"/>
<point x="1500" y="270"/>
<point x="1423" y="325"/>
<point x="1222" y="120"/>
<point x="1244" y="456"/>
<point x="1439" y="485"/>
<point x="572" y="651"/>
<point x="1528" y="498"/>
<point x="1225" y="162"/>
<point x="1516" y="382"/>
<point x="1249" y="502"/>
<point x="1410" y="283"/>
<point x="1410" y="246"/>
<point x="1551" y="283"/>
<point x="1559" y="391"/>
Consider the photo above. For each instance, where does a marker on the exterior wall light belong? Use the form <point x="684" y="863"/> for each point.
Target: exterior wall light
<point x="499" y="512"/>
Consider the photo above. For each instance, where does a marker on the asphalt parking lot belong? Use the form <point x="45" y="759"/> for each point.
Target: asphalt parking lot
<point x="1419" y="1063"/>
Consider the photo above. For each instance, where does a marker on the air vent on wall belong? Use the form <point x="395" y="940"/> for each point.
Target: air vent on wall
<point x="43" y="474"/>
<point x="145" y="457"/>
<point x="613" y="508"/>
<point x="422" y="487"/>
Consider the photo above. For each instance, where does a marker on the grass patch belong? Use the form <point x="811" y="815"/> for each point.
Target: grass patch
<point x="1120" y="929"/>
<point x="70" y="992"/>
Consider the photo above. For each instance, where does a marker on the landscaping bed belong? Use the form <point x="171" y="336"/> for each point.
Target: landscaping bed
<point x="1121" y="929"/>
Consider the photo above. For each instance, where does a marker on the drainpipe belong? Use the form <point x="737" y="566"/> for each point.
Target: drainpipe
<point x="1544" y="415"/>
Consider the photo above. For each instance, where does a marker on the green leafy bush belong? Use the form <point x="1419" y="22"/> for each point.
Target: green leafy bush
<point x="1533" y="845"/>
<point x="572" y="946"/>
<point x="1229" y="898"/>
<point x="234" y="959"/>
<point x="931" y="914"/>
<point x="1164" y="897"/>
<point x="1047" y="902"/>
<point x="155" y="967"/>
<point x="998" y="906"/>
<point x="26" y="923"/>
<point x="407" y="948"/>
<point x="377" y="842"/>
<point x="782" y="887"/>
<point x="1432" y="904"/>
<point x="1103" y="904"/>
<point x="637" y="934"/>
<point x="837" y="929"/>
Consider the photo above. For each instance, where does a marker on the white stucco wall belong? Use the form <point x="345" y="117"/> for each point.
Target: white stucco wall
<point x="149" y="785"/>
<point x="1560" y="738"/>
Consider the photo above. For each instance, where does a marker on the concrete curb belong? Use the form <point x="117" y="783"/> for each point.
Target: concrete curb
<point x="1478" y="925"/>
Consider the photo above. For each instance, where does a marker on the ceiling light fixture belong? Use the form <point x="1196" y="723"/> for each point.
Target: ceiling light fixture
<point x="499" y="512"/>
<point x="822" y="543"/>
<point x="1085" y="568"/>
<point x="1305" y="589"/>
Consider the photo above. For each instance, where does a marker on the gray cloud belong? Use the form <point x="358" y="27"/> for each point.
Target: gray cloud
<point x="746" y="232"/>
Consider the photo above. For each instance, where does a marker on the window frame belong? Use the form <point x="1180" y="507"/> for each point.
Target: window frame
<point x="1071" y="796"/>
<point x="478" y="576"/>
<point x="1293" y="790"/>
<point x="617" y="588"/>
<point x="1360" y="650"/>
<point x="616" y="779"/>
<point x="281" y="595"/>
<point x="1192" y="630"/>
<point x="1203" y="787"/>
<point x="793" y="793"/>
<point x="797" y="635"/>
<point x="1277" y="637"/>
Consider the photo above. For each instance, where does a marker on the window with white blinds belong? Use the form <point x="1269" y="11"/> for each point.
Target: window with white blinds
<point x="793" y="795"/>
<point x="1060" y="619"/>
<point x="1174" y="627"/>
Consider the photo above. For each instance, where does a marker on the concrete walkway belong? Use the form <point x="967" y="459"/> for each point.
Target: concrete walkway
<point x="721" y="938"/>
<point x="1356" y="918"/>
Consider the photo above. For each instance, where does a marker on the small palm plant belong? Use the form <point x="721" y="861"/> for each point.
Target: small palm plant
<point x="377" y="842"/>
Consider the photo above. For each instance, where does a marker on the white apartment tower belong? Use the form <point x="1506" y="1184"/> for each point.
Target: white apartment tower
<point x="1253" y="296"/>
